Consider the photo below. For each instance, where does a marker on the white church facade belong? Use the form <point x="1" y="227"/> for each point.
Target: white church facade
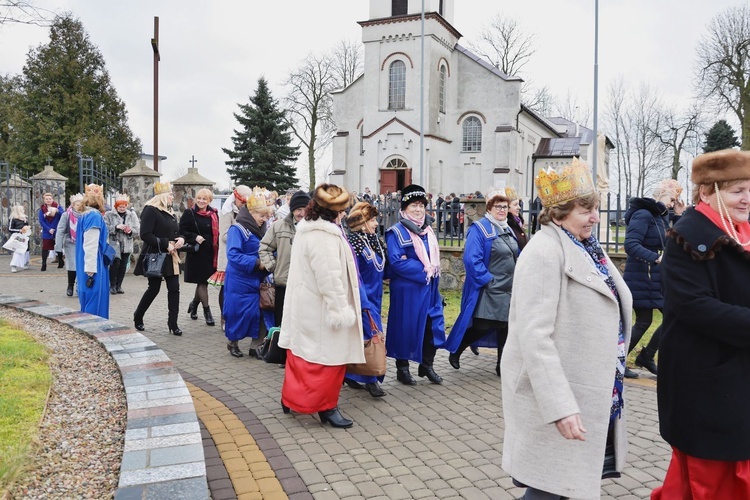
<point x="477" y="133"/>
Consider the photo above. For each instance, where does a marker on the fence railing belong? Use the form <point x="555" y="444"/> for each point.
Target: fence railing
<point x="451" y="223"/>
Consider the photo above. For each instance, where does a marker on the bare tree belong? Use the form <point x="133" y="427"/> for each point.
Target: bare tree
<point x="572" y="109"/>
<point x="20" y="12"/>
<point x="505" y="45"/>
<point x="615" y="120"/>
<point x="724" y="65"/>
<point x="347" y="62"/>
<point x="308" y="106"/>
<point x="676" y="131"/>
<point x="649" y="159"/>
<point x="539" y="99"/>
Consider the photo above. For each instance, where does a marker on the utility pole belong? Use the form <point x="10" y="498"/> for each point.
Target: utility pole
<point x="157" y="58"/>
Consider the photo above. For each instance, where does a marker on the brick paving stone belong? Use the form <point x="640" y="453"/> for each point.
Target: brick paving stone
<point x="345" y="488"/>
<point x="396" y="491"/>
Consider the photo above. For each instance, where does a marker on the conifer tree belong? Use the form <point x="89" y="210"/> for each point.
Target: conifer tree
<point x="66" y="96"/>
<point x="720" y="136"/>
<point x="262" y="154"/>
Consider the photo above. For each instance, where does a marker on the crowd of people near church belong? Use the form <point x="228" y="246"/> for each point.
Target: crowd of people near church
<point x="554" y="306"/>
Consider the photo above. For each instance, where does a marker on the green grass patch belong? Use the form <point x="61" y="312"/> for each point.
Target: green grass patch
<point x="646" y="337"/>
<point x="25" y="379"/>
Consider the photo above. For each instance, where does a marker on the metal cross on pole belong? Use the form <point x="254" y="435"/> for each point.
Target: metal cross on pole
<point x="193" y="161"/>
<point x="157" y="58"/>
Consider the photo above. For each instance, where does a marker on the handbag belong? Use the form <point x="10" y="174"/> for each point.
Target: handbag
<point x="267" y="296"/>
<point x="269" y="351"/>
<point x="17" y="243"/>
<point x="375" y="364"/>
<point x="153" y="263"/>
<point x="190" y="247"/>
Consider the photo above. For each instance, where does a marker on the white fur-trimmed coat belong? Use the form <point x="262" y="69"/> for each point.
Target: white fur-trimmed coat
<point x="322" y="320"/>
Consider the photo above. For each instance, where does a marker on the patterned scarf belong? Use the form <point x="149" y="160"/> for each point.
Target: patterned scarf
<point x="591" y="247"/>
<point x="72" y="223"/>
<point x="419" y="227"/>
<point x="46" y="209"/>
<point x="211" y="212"/>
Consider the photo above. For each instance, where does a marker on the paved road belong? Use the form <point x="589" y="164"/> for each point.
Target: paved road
<point x="427" y="441"/>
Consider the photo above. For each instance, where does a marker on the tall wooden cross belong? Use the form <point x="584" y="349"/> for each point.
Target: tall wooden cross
<point x="193" y="161"/>
<point x="157" y="58"/>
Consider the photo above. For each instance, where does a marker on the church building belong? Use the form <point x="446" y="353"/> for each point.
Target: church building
<point x="477" y="132"/>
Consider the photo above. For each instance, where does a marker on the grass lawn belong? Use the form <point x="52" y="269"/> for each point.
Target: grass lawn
<point x="25" y="380"/>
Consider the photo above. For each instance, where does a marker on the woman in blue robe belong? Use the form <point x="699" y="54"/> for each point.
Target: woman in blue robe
<point x="490" y="257"/>
<point x="416" y="326"/>
<point x="91" y="246"/>
<point x="369" y="252"/>
<point x="244" y="274"/>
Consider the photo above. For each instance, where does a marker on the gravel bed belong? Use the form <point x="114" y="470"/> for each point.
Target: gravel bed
<point x="82" y="434"/>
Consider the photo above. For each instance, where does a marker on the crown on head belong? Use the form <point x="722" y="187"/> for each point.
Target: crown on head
<point x="510" y="193"/>
<point x="94" y="189"/>
<point x="122" y="198"/>
<point x="573" y="181"/>
<point x="162" y="187"/>
<point x="257" y="199"/>
<point x="76" y="198"/>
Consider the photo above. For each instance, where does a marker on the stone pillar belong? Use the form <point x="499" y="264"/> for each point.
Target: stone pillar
<point x="185" y="189"/>
<point x="14" y="190"/>
<point x="46" y="181"/>
<point x="138" y="183"/>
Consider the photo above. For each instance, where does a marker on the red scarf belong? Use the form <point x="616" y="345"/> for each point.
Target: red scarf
<point x="743" y="228"/>
<point x="45" y="207"/>
<point x="211" y="212"/>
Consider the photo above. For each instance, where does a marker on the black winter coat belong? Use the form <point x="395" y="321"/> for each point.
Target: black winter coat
<point x="704" y="353"/>
<point x="647" y="223"/>
<point x="158" y="228"/>
<point x="198" y="266"/>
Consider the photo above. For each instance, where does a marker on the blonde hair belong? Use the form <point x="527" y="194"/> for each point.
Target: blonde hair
<point x="18" y="212"/>
<point x="161" y="201"/>
<point x="207" y="192"/>
<point x="94" y="200"/>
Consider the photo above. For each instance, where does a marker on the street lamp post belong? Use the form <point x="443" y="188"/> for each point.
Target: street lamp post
<point x="157" y="58"/>
<point x="596" y="91"/>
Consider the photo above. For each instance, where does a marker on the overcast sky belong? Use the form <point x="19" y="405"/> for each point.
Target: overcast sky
<point x="212" y="54"/>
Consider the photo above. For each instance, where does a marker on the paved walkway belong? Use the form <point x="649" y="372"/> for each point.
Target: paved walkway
<point x="426" y="441"/>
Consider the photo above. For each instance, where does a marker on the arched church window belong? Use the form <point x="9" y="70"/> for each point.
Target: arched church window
<point x="472" y="135"/>
<point x="399" y="7"/>
<point x="443" y="76"/>
<point x="396" y="163"/>
<point x="397" y="85"/>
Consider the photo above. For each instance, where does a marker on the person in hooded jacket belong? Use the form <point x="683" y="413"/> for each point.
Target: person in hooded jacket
<point x="647" y="221"/>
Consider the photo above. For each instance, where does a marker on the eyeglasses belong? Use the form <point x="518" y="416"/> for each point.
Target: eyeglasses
<point x="501" y="208"/>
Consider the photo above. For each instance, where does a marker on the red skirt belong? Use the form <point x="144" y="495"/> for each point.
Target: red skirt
<point x="691" y="478"/>
<point x="48" y="244"/>
<point x="309" y="387"/>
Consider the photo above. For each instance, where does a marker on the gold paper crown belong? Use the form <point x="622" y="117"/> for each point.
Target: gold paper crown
<point x="122" y="197"/>
<point x="258" y="198"/>
<point x="573" y="181"/>
<point x="162" y="187"/>
<point x="94" y="189"/>
<point x="510" y="193"/>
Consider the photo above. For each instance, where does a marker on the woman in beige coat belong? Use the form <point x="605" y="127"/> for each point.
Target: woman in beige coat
<point x="564" y="361"/>
<point x="322" y="321"/>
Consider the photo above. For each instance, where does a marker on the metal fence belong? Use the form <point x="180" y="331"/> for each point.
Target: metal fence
<point x="451" y="223"/>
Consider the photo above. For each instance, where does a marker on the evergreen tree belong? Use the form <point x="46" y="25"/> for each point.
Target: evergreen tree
<point x="720" y="136"/>
<point x="262" y="154"/>
<point x="66" y="96"/>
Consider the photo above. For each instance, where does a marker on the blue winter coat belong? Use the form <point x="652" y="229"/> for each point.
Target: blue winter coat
<point x="46" y="223"/>
<point x="647" y="222"/>
<point x="242" y="284"/>
<point x="477" y="252"/>
<point x="413" y="300"/>
<point x="94" y="299"/>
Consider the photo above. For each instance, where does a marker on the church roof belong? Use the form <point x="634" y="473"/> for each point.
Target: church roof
<point x="558" y="147"/>
<point x="485" y="64"/>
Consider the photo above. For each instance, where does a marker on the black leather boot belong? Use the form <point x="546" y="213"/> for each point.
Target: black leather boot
<point x="209" y="317"/>
<point x="645" y="359"/>
<point x="375" y="390"/>
<point x="112" y="290"/>
<point x="335" y="418"/>
<point x="60" y="261"/>
<point x="193" y="309"/>
<point x="403" y="376"/>
<point x="427" y="371"/>
<point x="453" y="360"/>
<point x="234" y="349"/>
<point x="45" y="254"/>
<point x="173" y="308"/>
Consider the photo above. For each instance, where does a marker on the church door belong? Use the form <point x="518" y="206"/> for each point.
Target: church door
<point x="388" y="181"/>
